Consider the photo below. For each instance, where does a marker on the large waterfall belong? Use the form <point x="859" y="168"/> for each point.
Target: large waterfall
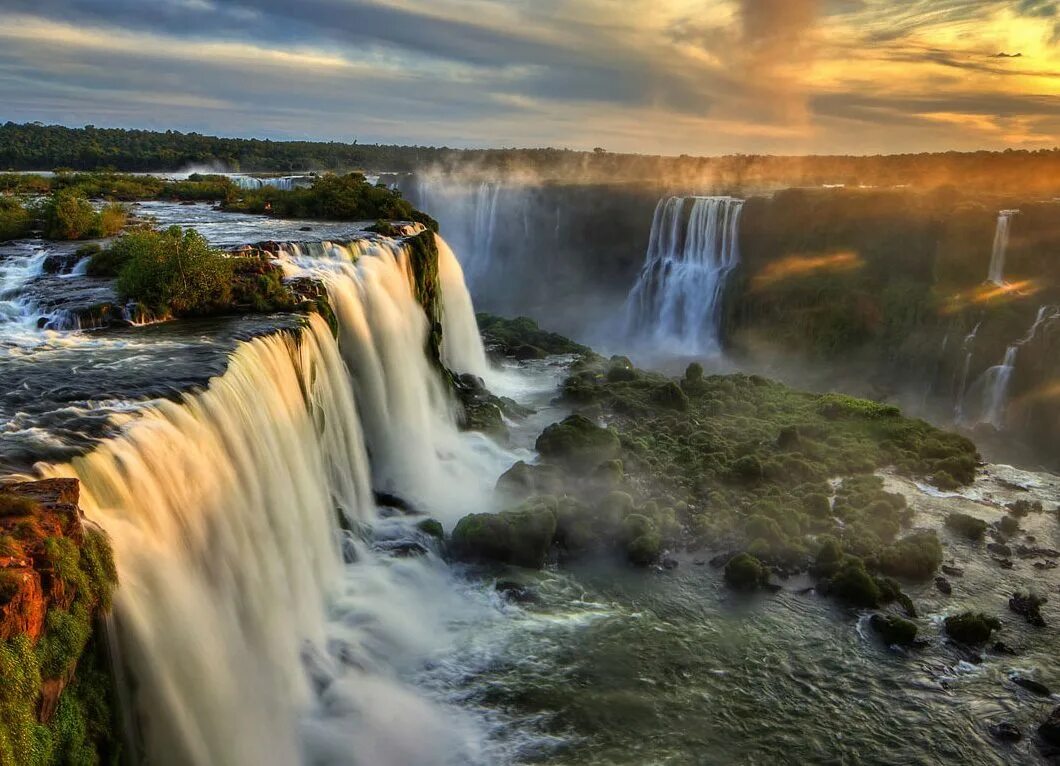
<point x="247" y="639"/>
<point x="996" y="273"/>
<point x="675" y="304"/>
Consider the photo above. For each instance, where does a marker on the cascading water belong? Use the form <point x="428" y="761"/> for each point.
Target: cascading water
<point x="283" y="183"/>
<point x="996" y="273"/>
<point x="997" y="379"/>
<point x="468" y="214"/>
<point x="246" y="639"/>
<point x="676" y="302"/>
<point x="962" y="386"/>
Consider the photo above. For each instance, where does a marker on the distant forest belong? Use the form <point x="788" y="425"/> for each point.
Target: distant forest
<point x="46" y="147"/>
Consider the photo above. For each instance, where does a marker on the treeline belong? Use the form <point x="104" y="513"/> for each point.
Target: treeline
<point x="45" y="147"/>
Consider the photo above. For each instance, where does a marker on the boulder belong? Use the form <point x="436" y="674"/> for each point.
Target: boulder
<point x="1034" y="687"/>
<point x="521" y="536"/>
<point x="578" y="442"/>
<point x="745" y="572"/>
<point x="971" y="628"/>
<point x="1029" y="606"/>
<point x="894" y="630"/>
<point x="1049" y="731"/>
<point x="1006" y="731"/>
<point x="943" y="585"/>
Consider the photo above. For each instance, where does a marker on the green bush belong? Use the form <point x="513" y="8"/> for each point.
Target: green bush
<point x="971" y="628"/>
<point x="915" y="557"/>
<point x="894" y="630"/>
<point x="745" y="572"/>
<point x="69" y="215"/>
<point x="15" y="219"/>
<point x="173" y="271"/>
<point x="112" y="219"/>
<point x="855" y="585"/>
<point x="16" y="505"/>
<point x="966" y="526"/>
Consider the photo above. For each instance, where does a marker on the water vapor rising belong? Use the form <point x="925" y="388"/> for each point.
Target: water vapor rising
<point x="778" y="46"/>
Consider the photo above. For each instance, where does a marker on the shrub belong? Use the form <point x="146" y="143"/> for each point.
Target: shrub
<point x="16" y="505"/>
<point x="894" y="630"/>
<point x="1008" y="526"/>
<point x="69" y="215"/>
<point x="966" y="526"/>
<point x="15" y="219"/>
<point x="112" y="219"/>
<point x="854" y="585"/>
<point x="745" y="572"/>
<point x="916" y="556"/>
<point x="173" y="271"/>
<point x="972" y="628"/>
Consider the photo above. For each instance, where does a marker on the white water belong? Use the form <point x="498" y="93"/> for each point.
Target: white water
<point x="969" y="348"/>
<point x="996" y="273"/>
<point x="675" y="304"/>
<point x="468" y="215"/>
<point x="997" y="380"/>
<point x="247" y="639"/>
<point x="283" y="183"/>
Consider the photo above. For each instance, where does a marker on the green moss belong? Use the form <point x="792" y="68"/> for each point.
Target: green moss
<point x="966" y="526"/>
<point x="894" y="630"/>
<point x="915" y="557"/>
<point x="578" y="443"/>
<point x="507" y="335"/>
<point x="971" y="628"/>
<point x="521" y="536"/>
<point x="16" y="505"/>
<point x="745" y="572"/>
<point x="431" y="527"/>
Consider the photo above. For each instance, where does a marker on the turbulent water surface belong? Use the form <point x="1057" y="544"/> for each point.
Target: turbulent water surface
<point x="268" y="614"/>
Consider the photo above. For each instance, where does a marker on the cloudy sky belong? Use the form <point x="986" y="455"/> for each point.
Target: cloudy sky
<point x="655" y="76"/>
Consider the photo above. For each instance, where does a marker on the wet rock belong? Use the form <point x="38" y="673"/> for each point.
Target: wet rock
<point x="1005" y="563"/>
<point x="1029" y="552"/>
<point x="971" y="628"/>
<point x="516" y="591"/>
<point x="952" y="571"/>
<point x="1000" y="647"/>
<point x="305" y="228"/>
<point x="1034" y="687"/>
<point x="745" y="572"/>
<point x="1029" y="606"/>
<point x="722" y="559"/>
<point x="1006" y="731"/>
<point x="387" y="500"/>
<point x="521" y="536"/>
<point x="1049" y="731"/>
<point x="999" y="549"/>
<point x="943" y="585"/>
<point x="894" y="630"/>
<point x="431" y="527"/>
<point x="669" y="562"/>
<point x="402" y="549"/>
<point x="1045" y="565"/>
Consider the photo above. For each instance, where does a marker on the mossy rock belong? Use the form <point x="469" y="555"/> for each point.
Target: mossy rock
<point x="966" y="526"/>
<point x="670" y="396"/>
<point x="971" y="628"/>
<point x="578" y="443"/>
<point x="521" y="536"/>
<point x="915" y="557"/>
<point x="853" y="584"/>
<point x="431" y="527"/>
<point x="745" y="572"/>
<point x="894" y="630"/>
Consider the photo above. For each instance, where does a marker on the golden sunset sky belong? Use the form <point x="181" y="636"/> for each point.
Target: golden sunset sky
<point x="654" y="76"/>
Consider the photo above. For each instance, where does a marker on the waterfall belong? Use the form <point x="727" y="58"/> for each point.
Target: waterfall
<point x="962" y="386"/>
<point x="996" y="274"/>
<point x="246" y="638"/>
<point x="676" y="302"/>
<point x="997" y="379"/>
<point x="467" y="214"/>
<point x="283" y="183"/>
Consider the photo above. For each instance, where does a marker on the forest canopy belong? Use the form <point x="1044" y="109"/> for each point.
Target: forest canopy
<point x="46" y="147"/>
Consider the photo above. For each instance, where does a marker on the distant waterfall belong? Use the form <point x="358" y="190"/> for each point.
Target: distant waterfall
<point x="996" y="380"/>
<point x="676" y="302"/>
<point x="996" y="273"/>
<point x="468" y="216"/>
<point x="968" y="347"/>
<point x="283" y="183"/>
<point x="237" y="619"/>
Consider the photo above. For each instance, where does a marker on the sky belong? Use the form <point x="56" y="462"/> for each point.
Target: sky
<point x="700" y="77"/>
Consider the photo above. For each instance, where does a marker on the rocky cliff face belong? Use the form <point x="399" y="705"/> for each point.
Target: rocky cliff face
<point x="56" y="579"/>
